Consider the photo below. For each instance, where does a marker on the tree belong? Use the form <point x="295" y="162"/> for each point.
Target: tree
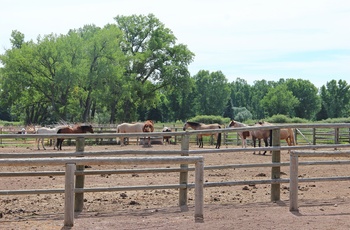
<point x="258" y="92"/>
<point x="154" y="57"/>
<point x="279" y="100"/>
<point x="212" y="93"/>
<point x="307" y="94"/>
<point x="336" y="98"/>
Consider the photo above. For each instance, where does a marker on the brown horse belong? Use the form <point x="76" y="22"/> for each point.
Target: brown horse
<point x="166" y="138"/>
<point x="201" y="126"/>
<point x="286" y="134"/>
<point x="244" y="134"/>
<point x="260" y="134"/>
<point x="129" y="128"/>
<point x="75" y="129"/>
<point x="147" y="128"/>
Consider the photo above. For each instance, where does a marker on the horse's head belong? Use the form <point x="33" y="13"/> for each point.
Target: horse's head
<point x="87" y="128"/>
<point x="232" y="123"/>
<point x="185" y="126"/>
<point x="148" y="126"/>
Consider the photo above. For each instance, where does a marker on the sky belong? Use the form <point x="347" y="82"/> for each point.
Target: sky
<point x="250" y="40"/>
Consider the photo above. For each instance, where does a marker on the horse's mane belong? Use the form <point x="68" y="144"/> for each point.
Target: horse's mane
<point x="193" y="123"/>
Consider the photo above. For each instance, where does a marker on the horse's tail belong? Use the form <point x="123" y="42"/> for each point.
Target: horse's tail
<point x="218" y="143"/>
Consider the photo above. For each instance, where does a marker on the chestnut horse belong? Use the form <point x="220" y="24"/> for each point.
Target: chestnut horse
<point x="201" y="126"/>
<point x="243" y="134"/>
<point x="129" y="128"/>
<point x="75" y="129"/>
<point x="148" y="127"/>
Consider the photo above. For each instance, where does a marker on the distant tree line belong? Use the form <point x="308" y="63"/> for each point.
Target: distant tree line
<point x="134" y="70"/>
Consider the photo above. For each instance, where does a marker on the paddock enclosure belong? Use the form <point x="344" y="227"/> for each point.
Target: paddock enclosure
<point x="232" y="175"/>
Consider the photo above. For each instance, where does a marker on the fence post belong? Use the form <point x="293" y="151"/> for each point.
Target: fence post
<point x="69" y="195"/>
<point x="276" y="171"/>
<point x="79" y="181"/>
<point x="185" y="145"/>
<point x="314" y="136"/>
<point x="199" y="196"/>
<point x="293" y="183"/>
<point x="336" y="136"/>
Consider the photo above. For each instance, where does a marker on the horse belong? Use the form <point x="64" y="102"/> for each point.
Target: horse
<point x="260" y="134"/>
<point x="46" y="130"/>
<point x="201" y="126"/>
<point x="244" y="134"/>
<point x="75" y="129"/>
<point x="129" y="128"/>
<point x="148" y="127"/>
<point x="166" y="138"/>
<point x="286" y="134"/>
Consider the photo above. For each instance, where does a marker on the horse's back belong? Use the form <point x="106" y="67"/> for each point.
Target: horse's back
<point x="130" y="127"/>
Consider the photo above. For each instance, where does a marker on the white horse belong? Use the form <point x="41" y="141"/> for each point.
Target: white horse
<point x="244" y="134"/>
<point x="45" y="130"/>
<point x="129" y="128"/>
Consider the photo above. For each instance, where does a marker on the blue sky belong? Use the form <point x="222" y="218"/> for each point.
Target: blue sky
<point x="251" y="39"/>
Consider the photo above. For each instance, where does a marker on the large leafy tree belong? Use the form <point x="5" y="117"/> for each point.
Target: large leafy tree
<point x="307" y="94"/>
<point x="279" y="100"/>
<point x="155" y="60"/>
<point x="258" y="92"/>
<point x="212" y="93"/>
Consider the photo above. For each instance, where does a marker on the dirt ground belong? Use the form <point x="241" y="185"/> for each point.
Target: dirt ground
<point x="322" y="205"/>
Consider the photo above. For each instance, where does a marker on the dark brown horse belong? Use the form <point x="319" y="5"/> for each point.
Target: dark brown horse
<point x="147" y="128"/>
<point x="75" y="129"/>
<point x="201" y="126"/>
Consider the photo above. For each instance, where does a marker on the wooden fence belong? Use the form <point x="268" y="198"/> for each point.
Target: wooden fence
<point x="294" y="159"/>
<point x="71" y="164"/>
<point x="185" y="151"/>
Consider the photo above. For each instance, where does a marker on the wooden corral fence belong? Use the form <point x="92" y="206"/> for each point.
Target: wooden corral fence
<point x="294" y="163"/>
<point x="183" y="170"/>
<point x="71" y="163"/>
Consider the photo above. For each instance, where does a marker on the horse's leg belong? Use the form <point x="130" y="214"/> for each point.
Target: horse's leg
<point x="259" y="145"/>
<point x="254" y="143"/>
<point x="218" y="141"/>
<point x="42" y="143"/>
<point x="38" y="140"/>
<point x="201" y="142"/>
<point x="266" y="144"/>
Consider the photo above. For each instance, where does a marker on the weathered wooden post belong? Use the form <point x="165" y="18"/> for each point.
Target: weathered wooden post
<point x="69" y="195"/>
<point x="293" y="182"/>
<point x="276" y="171"/>
<point x="80" y="179"/>
<point x="185" y="145"/>
<point x="314" y="136"/>
<point x="336" y="136"/>
<point x="199" y="195"/>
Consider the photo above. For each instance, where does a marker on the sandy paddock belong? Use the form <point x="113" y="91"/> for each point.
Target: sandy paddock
<point x="323" y="205"/>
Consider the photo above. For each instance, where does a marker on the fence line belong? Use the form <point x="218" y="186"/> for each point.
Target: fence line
<point x="294" y="162"/>
<point x="71" y="163"/>
<point x="185" y="152"/>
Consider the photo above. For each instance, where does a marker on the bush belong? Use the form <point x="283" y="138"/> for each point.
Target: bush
<point x="210" y="119"/>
